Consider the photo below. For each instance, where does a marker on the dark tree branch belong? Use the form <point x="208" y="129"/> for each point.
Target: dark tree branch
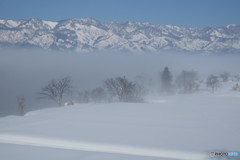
<point x="56" y="89"/>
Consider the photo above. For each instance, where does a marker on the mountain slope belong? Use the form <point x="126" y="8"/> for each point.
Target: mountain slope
<point x="87" y="34"/>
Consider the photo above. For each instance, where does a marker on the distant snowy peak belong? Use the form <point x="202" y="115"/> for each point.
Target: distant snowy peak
<point x="10" y="23"/>
<point x="85" y="35"/>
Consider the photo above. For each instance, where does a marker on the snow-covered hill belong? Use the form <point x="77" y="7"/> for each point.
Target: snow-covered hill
<point x="84" y="35"/>
<point x="167" y="127"/>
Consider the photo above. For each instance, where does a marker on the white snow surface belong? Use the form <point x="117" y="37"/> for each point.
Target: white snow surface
<point x="51" y="23"/>
<point x="165" y="127"/>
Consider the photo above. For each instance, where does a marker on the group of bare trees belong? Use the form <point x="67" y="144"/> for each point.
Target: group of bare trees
<point x="120" y="89"/>
<point x="117" y="89"/>
<point x="189" y="82"/>
<point x="123" y="90"/>
<point x="214" y="81"/>
<point x="96" y="95"/>
<point x="186" y="82"/>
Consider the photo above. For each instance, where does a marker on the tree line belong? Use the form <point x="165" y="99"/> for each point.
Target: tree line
<point x="121" y="89"/>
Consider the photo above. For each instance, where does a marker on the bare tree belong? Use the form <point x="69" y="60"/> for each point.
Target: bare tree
<point x="187" y="81"/>
<point x="138" y="92"/>
<point x="125" y="90"/>
<point x="225" y="76"/>
<point x="21" y="104"/>
<point x="98" y="94"/>
<point x="56" y="89"/>
<point x="84" y="97"/>
<point x="236" y="77"/>
<point x="145" y="84"/>
<point x="236" y="87"/>
<point x="212" y="82"/>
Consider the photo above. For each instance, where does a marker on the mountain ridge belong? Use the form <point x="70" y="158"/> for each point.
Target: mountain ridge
<point x="87" y="34"/>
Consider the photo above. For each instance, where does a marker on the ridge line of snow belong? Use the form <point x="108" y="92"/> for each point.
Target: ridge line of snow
<point x="129" y="36"/>
<point x="97" y="147"/>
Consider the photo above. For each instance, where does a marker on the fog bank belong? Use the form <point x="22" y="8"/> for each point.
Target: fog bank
<point x="26" y="72"/>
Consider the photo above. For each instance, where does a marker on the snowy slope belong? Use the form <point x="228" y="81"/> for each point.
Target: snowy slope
<point x="172" y="127"/>
<point x="87" y="34"/>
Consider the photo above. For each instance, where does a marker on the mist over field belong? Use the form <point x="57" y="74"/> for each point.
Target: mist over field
<point x="119" y="80"/>
<point x="157" y="123"/>
<point x="26" y="72"/>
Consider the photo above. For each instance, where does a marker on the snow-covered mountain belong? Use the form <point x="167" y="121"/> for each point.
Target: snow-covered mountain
<point x="84" y="35"/>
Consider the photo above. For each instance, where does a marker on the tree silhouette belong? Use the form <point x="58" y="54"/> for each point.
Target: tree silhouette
<point x="56" y="89"/>
<point x="166" y="80"/>
<point x="212" y="82"/>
